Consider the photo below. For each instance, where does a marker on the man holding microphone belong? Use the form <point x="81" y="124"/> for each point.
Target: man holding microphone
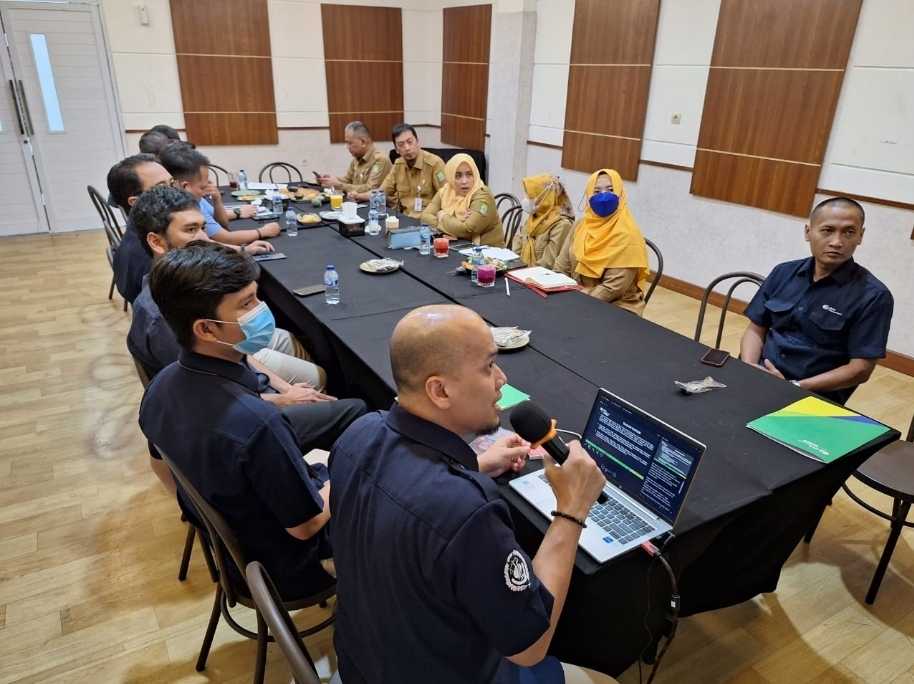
<point x="433" y="584"/>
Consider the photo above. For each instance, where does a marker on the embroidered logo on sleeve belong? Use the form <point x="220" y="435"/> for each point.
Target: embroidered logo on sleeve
<point x="483" y="208"/>
<point x="517" y="574"/>
<point x="440" y="176"/>
<point x="831" y="309"/>
<point x="376" y="167"/>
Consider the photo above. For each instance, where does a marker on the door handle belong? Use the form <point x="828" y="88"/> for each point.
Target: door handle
<point x="18" y="109"/>
<point x="25" y="107"/>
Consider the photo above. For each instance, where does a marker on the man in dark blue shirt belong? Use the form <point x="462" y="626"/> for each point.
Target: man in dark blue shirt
<point x="821" y="322"/>
<point x="433" y="585"/>
<point x="206" y="414"/>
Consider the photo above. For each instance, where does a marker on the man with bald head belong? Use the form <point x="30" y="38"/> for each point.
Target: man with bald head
<point x="433" y="585"/>
<point x="821" y="322"/>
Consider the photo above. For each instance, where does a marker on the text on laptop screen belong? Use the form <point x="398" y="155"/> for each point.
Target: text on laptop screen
<point x="646" y="459"/>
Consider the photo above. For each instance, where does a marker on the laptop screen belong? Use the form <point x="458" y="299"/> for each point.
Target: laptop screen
<point x="650" y="461"/>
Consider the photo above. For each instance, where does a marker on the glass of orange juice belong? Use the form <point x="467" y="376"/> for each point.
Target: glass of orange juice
<point x="336" y="200"/>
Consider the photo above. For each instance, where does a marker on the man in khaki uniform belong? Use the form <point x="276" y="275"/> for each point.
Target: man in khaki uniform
<point x="416" y="176"/>
<point x="368" y="168"/>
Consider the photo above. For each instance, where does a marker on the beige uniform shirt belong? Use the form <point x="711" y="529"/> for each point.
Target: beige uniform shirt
<point x="422" y="180"/>
<point x="617" y="285"/>
<point x="482" y="226"/>
<point x="547" y="245"/>
<point x="366" y="173"/>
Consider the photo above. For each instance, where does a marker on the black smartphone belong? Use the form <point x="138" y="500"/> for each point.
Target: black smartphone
<point x="309" y="290"/>
<point x="715" y="357"/>
<point x="269" y="256"/>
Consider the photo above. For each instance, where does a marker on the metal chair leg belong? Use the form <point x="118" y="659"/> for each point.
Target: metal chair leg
<point x="188" y="547"/>
<point x="210" y="630"/>
<point x="208" y="557"/>
<point x="125" y="306"/>
<point x="260" y="665"/>
<point x="900" y="509"/>
<point x="111" y="289"/>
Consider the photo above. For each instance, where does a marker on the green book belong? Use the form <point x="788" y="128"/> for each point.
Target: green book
<point x="511" y="396"/>
<point x="818" y="429"/>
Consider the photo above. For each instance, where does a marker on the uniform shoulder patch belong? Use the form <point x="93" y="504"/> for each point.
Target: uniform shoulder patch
<point x="376" y="167"/>
<point x="440" y="176"/>
<point x="517" y="574"/>
<point x="484" y="208"/>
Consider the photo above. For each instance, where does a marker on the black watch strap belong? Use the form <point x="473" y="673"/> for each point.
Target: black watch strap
<point x="237" y="212"/>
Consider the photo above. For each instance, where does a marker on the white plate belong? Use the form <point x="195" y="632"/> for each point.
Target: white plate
<point x="379" y="266"/>
<point x="330" y="215"/>
<point x="509" y="339"/>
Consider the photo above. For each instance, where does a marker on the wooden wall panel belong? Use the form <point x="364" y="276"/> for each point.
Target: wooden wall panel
<point x="363" y="61"/>
<point x="609" y="79"/>
<point x="775" y="78"/>
<point x="225" y="69"/>
<point x="465" y="75"/>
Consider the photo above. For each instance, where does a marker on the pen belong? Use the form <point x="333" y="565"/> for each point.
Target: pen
<point x="507" y="287"/>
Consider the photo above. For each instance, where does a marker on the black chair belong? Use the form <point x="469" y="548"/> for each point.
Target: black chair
<point x="285" y="167"/>
<point x="658" y="272"/>
<point x="280" y="624"/>
<point x="215" y="170"/>
<point x="447" y="152"/>
<point x="740" y="278"/>
<point x="505" y="198"/>
<point x="511" y="222"/>
<point x="113" y="233"/>
<point x="231" y="591"/>
<point x="891" y="472"/>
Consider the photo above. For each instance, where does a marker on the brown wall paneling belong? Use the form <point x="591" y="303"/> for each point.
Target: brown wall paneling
<point x="221" y="27"/>
<point x="462" y="131"/>
<point x="225" y="70"/>
<point x="228" y="128"/>
<point x="363" y="62"/>
<point x="608" y="83"/>
<point x="773" y="87"/>
<point x="465" y="75"/>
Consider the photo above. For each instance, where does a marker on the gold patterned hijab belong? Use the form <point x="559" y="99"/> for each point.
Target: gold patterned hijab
<point x="452" y="203"/>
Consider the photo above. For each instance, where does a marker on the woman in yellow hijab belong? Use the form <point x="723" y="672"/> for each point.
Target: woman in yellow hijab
<point x="606" y="252"/>
<point x="463" y="207"/>
<point x="550" y="217"/>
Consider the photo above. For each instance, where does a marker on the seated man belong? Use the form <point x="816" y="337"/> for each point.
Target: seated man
<point x="821" y="322"/>
<point x="167" y="219"/>
<point x="415" y="177"/>
<point x="368" y="168"/>
<point x="127" y="180"/>
<point x="191" y="171"/>
<point x="205" y="413"/>
<point x="433" y="585"/>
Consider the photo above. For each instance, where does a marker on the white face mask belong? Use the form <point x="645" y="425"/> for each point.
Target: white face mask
<point x="527" y="205"/>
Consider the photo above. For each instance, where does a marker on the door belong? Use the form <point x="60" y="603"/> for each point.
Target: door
<point x="57" y="52"/>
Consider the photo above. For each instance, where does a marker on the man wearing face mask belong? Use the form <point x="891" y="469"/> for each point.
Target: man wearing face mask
<point x="206" y="413"/>
<point x="549" y="220"/>
<point x="605" y="252"/>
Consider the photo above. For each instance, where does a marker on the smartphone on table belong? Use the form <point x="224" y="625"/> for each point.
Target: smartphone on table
<point x="715" y="357"/>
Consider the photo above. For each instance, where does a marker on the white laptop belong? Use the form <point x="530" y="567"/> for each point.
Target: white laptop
<point x="648" y="465"/>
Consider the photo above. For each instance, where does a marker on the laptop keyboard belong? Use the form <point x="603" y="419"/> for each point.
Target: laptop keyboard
<point x="617" y="520"/>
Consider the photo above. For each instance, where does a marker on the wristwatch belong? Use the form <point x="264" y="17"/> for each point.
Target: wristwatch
<point x="237" y="212"/>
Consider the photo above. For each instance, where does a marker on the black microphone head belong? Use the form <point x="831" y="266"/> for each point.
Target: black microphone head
<point x="530" y="421"/>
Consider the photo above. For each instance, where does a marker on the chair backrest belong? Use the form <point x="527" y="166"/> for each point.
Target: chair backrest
<point x="508" y="199"/>
<point x="447" y="152"/>
<point x="284" y="168"/>
<point x="141" y="372"/>
<point x="113" y="231"/>
<point x="511" y="223"/>
<point x="224" y="542"/>
<point x="215" y="170"/>
<point x="738" y="277"/>
<point x="284" y="631"/>
<point x="658" y="272"/>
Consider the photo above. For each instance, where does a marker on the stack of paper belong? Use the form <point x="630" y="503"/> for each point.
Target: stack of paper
<point x="499" y="253"/>
<point x="543" y="278"/>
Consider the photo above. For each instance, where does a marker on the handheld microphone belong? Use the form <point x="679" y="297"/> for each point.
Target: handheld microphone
<point x="532" y="423"/>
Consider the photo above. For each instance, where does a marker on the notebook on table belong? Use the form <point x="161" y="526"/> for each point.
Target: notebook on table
<point x="543" y="279"/>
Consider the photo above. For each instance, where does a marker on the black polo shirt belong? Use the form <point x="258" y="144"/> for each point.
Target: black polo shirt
<point x="242" y="456"/>
<point x="433" y="585"/>
<point x="815" y="327"/>
<point x="150" y="339"/>
<point x="131" y="263"/>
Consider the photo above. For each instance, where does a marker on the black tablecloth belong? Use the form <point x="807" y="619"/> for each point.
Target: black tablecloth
<point x="751" y="500"/>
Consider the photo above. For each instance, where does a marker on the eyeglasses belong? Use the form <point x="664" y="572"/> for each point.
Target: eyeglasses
<point x="170" y="183"/>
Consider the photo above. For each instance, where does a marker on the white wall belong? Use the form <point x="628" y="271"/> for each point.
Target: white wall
<point x="871" y="150"/>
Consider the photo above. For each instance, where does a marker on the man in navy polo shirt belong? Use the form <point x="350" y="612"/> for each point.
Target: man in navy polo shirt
<point x="821" y="322"/>
<point x="205" y="412"/>
<point x="433" y="585"/>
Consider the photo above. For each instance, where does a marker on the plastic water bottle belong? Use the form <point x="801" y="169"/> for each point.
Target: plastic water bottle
<point x="425" y="240"/>
<point x="382" y="206"/>
<point x="373" y="227"/>
<point x="291" y="222"/>
<point x="242" y="180"/>
<point x="277" y="202"/>
<point x="332" y="285"/>
<point x="476" y="260"/>
<point x="373" y="201"/>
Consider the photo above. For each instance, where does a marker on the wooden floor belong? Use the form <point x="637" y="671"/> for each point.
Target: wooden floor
<point x="90" y="543"/>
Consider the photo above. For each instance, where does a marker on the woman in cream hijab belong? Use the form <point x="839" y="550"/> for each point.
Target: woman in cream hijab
<point x="606" y="252"/>
<point x="549" y="219"/>
<point x="463" y="207"/>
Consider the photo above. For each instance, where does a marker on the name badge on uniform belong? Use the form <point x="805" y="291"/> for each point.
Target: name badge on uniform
<point x="417" y="204"/>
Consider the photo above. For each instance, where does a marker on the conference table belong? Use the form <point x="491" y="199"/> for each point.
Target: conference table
<point x="751" y="501"/>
